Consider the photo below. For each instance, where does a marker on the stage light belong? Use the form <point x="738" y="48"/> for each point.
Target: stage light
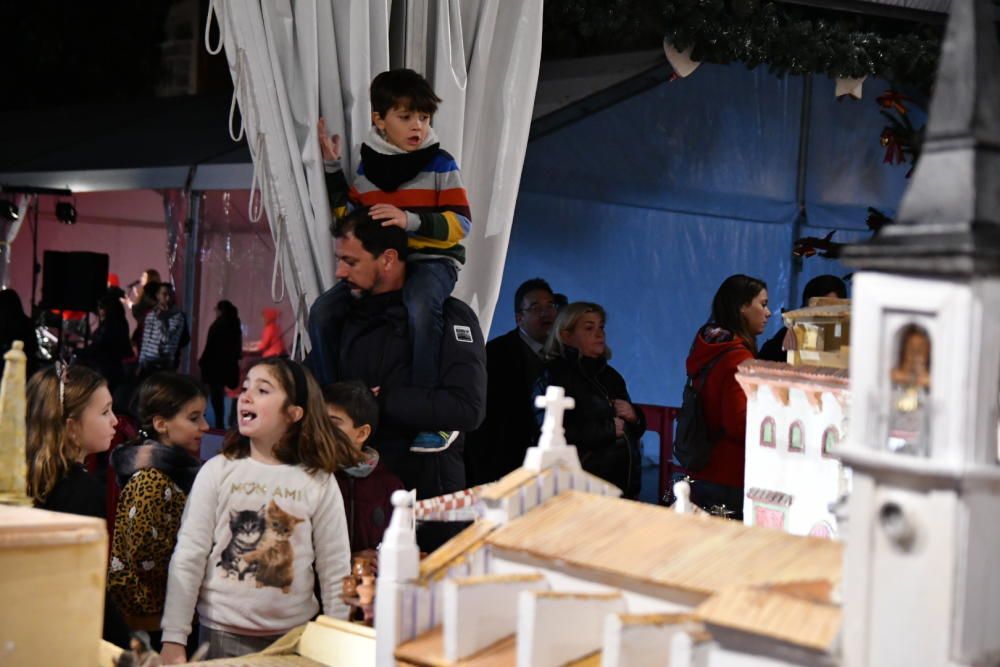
<point x="7" y="210"/>
<point x="66" y="213"/>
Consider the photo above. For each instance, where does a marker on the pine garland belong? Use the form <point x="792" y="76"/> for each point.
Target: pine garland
<point x="787" y="38"/>
<point x="798" y="40"/>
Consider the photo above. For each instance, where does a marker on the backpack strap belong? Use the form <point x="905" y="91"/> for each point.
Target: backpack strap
<point x="702" y="373"/>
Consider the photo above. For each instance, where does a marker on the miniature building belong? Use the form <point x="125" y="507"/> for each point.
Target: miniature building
<point x="924" y="376"/>
<point x="560" y="571"/>
<point x="819" y="335"/>
<point x="585" y="574"/>
<point x="796" y="418"/>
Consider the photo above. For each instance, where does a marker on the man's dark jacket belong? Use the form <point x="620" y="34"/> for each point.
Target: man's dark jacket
<point x="373" y="346"/>
<point x="498" y="446"/>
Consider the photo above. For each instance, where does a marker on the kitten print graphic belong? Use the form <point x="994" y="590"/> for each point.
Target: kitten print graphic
<point x="273" y="557"/>
<point x="247" y="528"/>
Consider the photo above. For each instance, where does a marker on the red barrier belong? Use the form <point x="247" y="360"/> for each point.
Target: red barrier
<point x="661" y="419"/>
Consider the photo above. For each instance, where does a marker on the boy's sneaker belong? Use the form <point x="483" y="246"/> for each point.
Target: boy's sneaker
<point x="433" y="441"/>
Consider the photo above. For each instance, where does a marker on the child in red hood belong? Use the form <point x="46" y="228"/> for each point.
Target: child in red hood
<point x="270" y="343"/>
<point x="739" y="315"/>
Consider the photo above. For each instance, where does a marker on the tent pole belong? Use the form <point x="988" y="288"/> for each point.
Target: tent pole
<point x="192" y="274"/>
<point x="35" y="268"/>
<point x="800" y="190"/>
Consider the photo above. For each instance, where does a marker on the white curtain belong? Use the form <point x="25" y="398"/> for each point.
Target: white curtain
<point x="292" y="61"/>
<point x="8" y="232"/>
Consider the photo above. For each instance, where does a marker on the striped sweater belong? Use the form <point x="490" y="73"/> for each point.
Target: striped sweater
<point x="435" y="200"/>
<point x="161" y="338"/>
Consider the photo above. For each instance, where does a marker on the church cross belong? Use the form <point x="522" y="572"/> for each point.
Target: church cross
<point x="555" y="403"/>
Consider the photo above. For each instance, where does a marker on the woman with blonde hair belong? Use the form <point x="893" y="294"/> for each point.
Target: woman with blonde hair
<point x="605" y="426"/>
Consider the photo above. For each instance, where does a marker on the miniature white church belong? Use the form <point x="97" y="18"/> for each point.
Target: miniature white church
<point x="561" y="571"/>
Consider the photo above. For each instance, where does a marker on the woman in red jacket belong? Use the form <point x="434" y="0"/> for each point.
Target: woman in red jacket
<point x="739" y="315"/>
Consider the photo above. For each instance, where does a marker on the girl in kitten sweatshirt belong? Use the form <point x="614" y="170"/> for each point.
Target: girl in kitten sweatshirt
<point x="263" y="521"/>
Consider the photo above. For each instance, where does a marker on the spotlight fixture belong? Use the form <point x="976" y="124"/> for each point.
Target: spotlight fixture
<point x="65" y="213"/>
<point x="7" y="210"/>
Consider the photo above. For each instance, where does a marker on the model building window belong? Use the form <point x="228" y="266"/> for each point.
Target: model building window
<point x="830" y="441"/>
<point x="795" y="440"/>
<point x="910" y="382"/>
<point x="767" y="433"/>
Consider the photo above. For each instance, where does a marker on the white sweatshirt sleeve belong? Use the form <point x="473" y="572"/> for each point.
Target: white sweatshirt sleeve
<point x="332" y="548"/>
<point x="194" y="543"/>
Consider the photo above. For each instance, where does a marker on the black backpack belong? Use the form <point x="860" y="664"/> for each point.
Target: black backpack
<point x="693" y="442"/>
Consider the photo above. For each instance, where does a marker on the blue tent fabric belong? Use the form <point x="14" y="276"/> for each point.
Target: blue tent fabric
<point x="645" y="207"/>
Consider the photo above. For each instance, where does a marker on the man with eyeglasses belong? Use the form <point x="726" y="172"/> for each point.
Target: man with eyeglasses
<point x="513" y="363"/>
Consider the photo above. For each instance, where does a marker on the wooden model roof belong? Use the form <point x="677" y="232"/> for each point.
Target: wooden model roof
<point x="454" y="551"/>
<point x="839" y="309"/>
<point x="798" y="614"/>
<point x="513" y="482"/>
<point x="633" y="545"/>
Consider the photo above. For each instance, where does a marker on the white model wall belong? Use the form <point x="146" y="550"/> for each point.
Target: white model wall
<point x="813" y="480"/>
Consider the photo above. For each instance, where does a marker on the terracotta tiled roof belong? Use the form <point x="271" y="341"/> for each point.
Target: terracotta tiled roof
<point x="772" y="497"/>
<point x="756" y="370"/>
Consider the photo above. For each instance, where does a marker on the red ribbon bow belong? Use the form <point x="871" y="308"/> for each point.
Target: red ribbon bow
<point x="892" y="99"/>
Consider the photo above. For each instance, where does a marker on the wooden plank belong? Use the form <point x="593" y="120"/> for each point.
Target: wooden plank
<point x="457" y="547"/>
<point x="427" y="650"/>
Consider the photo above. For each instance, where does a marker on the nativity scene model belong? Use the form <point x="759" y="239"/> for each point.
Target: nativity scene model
<point x="556" y="569"/>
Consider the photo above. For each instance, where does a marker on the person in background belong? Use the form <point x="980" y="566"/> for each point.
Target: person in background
<point x="141" y="300"/>
<point x="270" y="344"/>
<point x="220" y="360"/>
<point x="826" y="285"/>
<point x="513" y="363"/>
<point x="163" y="333"/>
<point x="604" y="425"/>
<point x="15" y="325"/>
<point x="155" y="473"/>
<point x="115" y="286"/>
<point x="70" y="416"/>
<point x="739" y="314"/>
<point x="367" y="486"/>
<point x="110" y="345"/>
<point x="142" y="294"/>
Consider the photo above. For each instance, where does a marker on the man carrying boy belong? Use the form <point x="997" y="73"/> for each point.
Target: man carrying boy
<point x="409" y="182"/>
<point x="370" y="341"/>
<point x="368" y="486"/>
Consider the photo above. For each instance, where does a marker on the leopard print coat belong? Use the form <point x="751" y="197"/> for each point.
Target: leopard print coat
<point x="149" y="516"/>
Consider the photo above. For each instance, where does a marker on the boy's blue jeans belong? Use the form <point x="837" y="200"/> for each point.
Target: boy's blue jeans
<point x="428" y="284"/>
